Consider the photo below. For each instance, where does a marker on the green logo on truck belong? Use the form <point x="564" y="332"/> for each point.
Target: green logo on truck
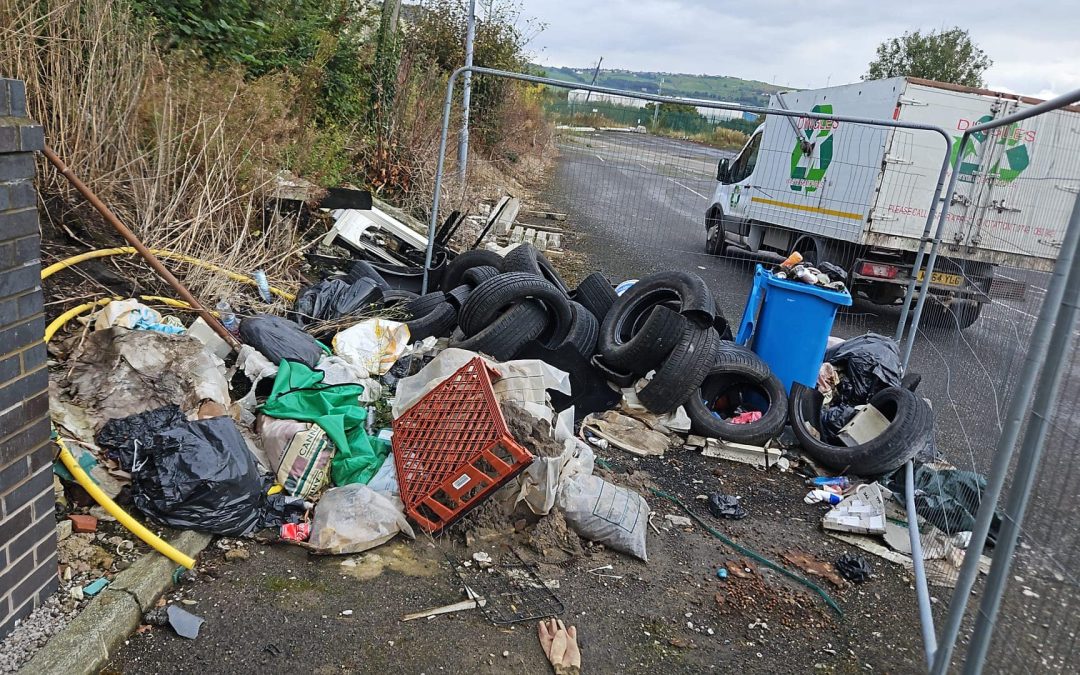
<point x="813" y="150"/>
<point x="1005" y="149"/>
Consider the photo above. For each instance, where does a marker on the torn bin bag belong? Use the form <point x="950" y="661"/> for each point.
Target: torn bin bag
<point x="870" y="362"/>
<point x="122" y="439"/>
<point x="200" y="475"/>
<point x="333" y="298"/>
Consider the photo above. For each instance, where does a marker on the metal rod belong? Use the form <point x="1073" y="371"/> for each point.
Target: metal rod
<point x="922" y="592"/>
<point x="466" y="93"/>
<point x="434" y="220"/>
<point x="150" y="258"/>
<point x="1027" y="466"/>
<point x="924" y="290"/>
<point x="1039" y="344"/>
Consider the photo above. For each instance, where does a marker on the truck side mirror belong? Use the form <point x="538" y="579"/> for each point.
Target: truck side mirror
<point x="722" y="170"/>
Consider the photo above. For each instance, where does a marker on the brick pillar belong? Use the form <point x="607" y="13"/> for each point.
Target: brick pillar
<point x="27" y="524"/>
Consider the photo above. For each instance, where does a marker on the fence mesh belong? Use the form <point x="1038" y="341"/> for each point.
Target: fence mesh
<point x="630" y="202"/>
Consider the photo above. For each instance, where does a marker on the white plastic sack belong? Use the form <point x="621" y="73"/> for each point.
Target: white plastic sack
<point x="599" y="511"/>
<point x="355" y="518"/>
<point x="524" y="381"/>
<point x="256" y="367"/>
<point x="540" y="482"/>
<point x="337" y="370"/>
<point x="373" y="344"/>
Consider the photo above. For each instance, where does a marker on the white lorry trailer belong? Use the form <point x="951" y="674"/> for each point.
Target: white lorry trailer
<point x="858" y="195"/>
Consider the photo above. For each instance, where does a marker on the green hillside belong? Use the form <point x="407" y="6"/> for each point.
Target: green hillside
<point x="715" y="87"/>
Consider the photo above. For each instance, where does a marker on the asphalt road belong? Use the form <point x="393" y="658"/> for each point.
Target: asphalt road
<point x="638" y="204"/>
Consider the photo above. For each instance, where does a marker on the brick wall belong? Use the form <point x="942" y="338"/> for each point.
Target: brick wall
<point x="27" y="525"/>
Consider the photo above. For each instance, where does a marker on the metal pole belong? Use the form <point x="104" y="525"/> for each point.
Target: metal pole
<point x="147" y="255"/>
<point x="434" y="221"/>
<point x="656" y="106"/>
<point x="1027" y="466"/>
<point x="922" y="593"/>
<point x="466" y="94"/>
<point x="1018" y="406"/>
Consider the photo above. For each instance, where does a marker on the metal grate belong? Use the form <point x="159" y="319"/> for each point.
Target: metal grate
<point x="513" y="592"/>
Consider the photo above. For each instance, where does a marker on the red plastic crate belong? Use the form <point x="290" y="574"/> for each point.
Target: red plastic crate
<point x="452" y="449"/>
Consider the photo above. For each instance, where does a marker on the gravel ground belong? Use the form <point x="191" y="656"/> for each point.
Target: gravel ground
<point x="34" y="631"/>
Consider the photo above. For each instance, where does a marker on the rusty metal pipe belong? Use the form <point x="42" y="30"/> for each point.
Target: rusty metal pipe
<point x="147" y="255"/>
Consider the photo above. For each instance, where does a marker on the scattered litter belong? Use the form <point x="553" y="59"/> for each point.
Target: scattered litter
<point x="599" y="511"/>
<point x="721" y="573"/>
<point x="184" y="622"/>
<point x="626" y="433"/>
<point x="678" y="521"/>
<point x="83" y="523"/>
<point x="512" y="590"/>
<point x="853" y="567"/>
<point x="299" y="452"/>
<point x="822" y="496"/>
<point x="95" y="587"/>
<point x="482" y="559"/>
<point x="279" y="339"/>
<point x="726" y="506"/>
<point x="862" y="512"/>
<point x="811" y="565"/>
<point x="296" y="532"/>
<point x="373" y="345"/>
<point x="473" y="602"/>
<point x="756" y="456"/>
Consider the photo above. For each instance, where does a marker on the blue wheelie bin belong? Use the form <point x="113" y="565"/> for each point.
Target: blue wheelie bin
<point x="787" y="323"/>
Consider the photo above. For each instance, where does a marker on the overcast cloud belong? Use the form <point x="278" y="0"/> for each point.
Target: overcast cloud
<point x="1035" y="45"/>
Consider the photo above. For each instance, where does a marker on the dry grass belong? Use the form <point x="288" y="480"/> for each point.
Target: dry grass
<point x="182" y="155"/>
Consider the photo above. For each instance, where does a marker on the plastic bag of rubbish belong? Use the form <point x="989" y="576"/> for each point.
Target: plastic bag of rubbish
<point x="333" y="298"/>
<point x="354" y="518"/>
<point x="123" y="438"/>
<point x="277" y="338"/>
<point x="833" y="419"/>
<point x="870" y="363"/>
<point x="612" y="515"/>
<point x="200" y="476"/>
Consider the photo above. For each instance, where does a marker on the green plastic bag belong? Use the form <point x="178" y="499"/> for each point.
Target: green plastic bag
<point x="300" y="394"/>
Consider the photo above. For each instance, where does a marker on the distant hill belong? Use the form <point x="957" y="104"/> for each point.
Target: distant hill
<point x="714" y="87"/>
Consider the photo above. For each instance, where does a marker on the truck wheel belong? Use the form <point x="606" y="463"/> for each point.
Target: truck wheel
<point x="956" y="315"/>
<point x="715" y="244"/>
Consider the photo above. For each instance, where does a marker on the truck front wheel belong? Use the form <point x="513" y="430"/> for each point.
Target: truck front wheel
<point x="715" y="244"/>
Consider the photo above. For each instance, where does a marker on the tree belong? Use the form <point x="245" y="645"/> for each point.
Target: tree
<point x="946" y="56"/>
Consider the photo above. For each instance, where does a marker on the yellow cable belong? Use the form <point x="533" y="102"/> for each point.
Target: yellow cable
<point x="161" y="253"/>
<point x="152" y="540"/>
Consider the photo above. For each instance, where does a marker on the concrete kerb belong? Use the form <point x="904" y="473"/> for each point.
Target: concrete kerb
<point x="85" y="645"/>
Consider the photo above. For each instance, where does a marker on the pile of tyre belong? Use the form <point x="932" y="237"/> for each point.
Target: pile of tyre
<point x="664" y="335"/>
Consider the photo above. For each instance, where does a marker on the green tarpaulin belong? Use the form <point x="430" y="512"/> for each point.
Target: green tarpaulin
<point x="300" y="394"/>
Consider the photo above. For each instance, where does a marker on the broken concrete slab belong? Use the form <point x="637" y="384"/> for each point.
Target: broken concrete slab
<point x="754" y="455"/>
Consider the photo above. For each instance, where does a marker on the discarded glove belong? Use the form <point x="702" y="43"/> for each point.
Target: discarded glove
<point x="853" y="568"/>
<point x="726" y="506"/>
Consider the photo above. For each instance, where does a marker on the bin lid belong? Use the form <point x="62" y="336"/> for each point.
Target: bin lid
<point x="842" y="298"/>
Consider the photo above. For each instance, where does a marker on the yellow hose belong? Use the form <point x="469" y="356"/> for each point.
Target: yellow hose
<point x="59" y="321"/>
<point x="152" y="540"/>
<point x="168" y="255"/>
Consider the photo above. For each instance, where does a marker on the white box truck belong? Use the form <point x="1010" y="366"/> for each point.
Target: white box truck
<point x="858" y="195"/>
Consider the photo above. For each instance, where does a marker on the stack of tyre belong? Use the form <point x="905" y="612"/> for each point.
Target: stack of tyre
<point x="668" y="324"/>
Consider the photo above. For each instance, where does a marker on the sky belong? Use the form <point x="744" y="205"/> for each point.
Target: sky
<point x="1035" y="45"/>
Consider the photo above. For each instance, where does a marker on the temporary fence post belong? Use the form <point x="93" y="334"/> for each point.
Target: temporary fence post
<point x="1027" y="466"/>
<point x="1038" y="347"/>
<point x="433" y="223"/>
<point x="922" y="592"/>
<point x="466" y="94"/>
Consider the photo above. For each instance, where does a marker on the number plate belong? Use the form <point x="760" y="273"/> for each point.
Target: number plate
<point x="943" y="279"/>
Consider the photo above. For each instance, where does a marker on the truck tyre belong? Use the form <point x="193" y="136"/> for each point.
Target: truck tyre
<point x="596" y="294"/>
<point x="739" y="371"/>
<point x="362" y="269"/>
<point x="508" y="333"/>
<point x="911" y="431"/>
<point x="474" y="276"/>
<point x="439" y="322"/>
<point x="452" y="277"/>
<point x="525" y="258"/>
<point x="715" y="241"/>
<point x="422" y="305"/>
<point x="683" y="371"/>
<point x="957" y="315"/>
<point x="642" y="350"/>
<point x="616" y="377"/>
<point x="583" y="331"/>
<point x="459" y="296"/>
<point x="683" y="291"/>
<point x="489" y="299"/>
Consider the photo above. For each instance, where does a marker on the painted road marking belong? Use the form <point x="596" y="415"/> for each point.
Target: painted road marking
<point x="686" y="187"/>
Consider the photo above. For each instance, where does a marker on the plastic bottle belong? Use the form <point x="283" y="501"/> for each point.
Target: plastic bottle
<point x="263" y="285"/>
<point x="227" y="317"/>
<point x="791" y="261"/>
<point x="842" y="482"/>
<point x="370" y="421"/>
